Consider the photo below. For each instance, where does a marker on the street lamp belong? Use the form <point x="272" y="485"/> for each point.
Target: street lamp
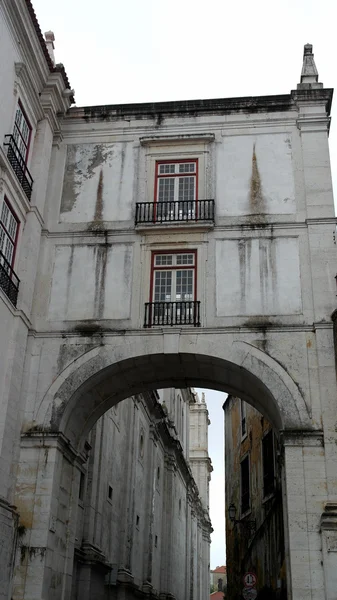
<point x="250" y="525"/>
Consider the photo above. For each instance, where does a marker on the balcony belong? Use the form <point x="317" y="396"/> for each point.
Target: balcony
<point x="162" y="314"/>
<point x="182" y="211"/>
<point x="19" y="166"/>
<point x="9" y="282"/>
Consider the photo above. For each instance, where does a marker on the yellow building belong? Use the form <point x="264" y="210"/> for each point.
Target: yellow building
<point x="254" y="529"/>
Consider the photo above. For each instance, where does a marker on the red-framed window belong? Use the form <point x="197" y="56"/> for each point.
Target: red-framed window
<point x="176" y="181"/>
<point x="22" y="132"/>
<point x="9" y="230"/>
<point x="173" y="276"/>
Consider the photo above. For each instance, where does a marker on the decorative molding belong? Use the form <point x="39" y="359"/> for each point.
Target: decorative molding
<point x="47" y="439"/>
<point x="329" y="522"/>
<point x="191" y="138"/>
<point x="302" y="438"/>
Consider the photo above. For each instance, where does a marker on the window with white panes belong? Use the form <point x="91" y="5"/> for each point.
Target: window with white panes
<point x="173" y="287"/>
<point x="21" y="133"/>
<point x="9" y="227"/>
<point x="173" y="277"/>
<point x="176" y="189"/>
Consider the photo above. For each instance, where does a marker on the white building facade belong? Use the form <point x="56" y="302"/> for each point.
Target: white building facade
<point x="162" y="245"/>
<point x="142" y="529"/>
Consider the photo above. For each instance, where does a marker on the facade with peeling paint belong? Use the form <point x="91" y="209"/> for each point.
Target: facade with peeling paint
<point x="161" y="245"/>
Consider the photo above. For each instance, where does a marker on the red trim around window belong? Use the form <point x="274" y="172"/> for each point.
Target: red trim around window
<point x="171" y="162"/>
<point x="173" y="267"/>
<point x="15" y="242"/>
<point x="29" y="127"/>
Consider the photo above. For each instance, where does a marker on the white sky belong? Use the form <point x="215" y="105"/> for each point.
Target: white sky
<point x="136" y="51"/>
<point x="214" y="401"/>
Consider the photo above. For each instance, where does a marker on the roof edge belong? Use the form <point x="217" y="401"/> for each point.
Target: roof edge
<point x="52" y="68"/>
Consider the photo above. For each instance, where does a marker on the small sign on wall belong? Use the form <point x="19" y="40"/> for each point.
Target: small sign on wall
<point x="249" y="580"/>
<point x="249" y="593"/>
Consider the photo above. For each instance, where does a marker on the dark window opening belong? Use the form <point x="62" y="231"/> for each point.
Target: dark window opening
<point x="243" y="418"/>
<point x="110" y="492"/>
<point x="268" y="464"/>
<point x="81" y="489"/>
<point x="245" y="488"/>
<point x="156" y="541"/>
<point x="137" y="520"/>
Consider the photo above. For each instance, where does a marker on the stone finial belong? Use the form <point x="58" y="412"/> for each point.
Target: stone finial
<point x="203" y="400"/>
<point x="309" y="74"/>
<point x="50" y="39"/>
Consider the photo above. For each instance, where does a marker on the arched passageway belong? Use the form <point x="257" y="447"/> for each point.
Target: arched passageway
<point x="97" y="380"/>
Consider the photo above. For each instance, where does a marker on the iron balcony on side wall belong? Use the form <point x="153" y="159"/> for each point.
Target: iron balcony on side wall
<point x="181" y="211"/>
<point x="19" y="166"/>
<point x="162" y="314"/>
<point x="9" y="282"/>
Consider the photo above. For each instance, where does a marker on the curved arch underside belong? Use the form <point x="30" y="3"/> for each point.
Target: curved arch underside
<point x="86" y="391"/>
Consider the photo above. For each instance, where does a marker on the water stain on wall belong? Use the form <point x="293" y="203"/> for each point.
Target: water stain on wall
<point x="82" y="163"/>
<point x="256" y="199"/>
<point x="101" y="259"/>
<point x="98" y="216"/>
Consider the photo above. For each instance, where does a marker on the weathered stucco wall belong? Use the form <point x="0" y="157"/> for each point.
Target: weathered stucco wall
<point x="255" y="174"/>
<point x="98" y="183"/>
<point x="91" y="282"/>
<point x="263" y="277"/>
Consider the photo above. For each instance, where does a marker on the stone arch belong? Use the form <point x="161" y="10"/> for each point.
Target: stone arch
<point x="109" y="373"/>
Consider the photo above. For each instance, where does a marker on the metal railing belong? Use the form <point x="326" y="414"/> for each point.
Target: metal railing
<point x="174" y="211"/>
<point x="19" y="166"/>
<point x="185" y="312"/>
<point x="9" y="282"/>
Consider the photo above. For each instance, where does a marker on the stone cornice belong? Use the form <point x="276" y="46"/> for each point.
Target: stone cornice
<point x="181" y="139"/>
<point x="302" y="438"/>
<point x="329" y="517"/>
<point x="47" y="439"/>
<point x="223" y="106"/>
<point x="20" y="23"/>
<point x="23" y="78"/>
<point x="37" y="78"/>
<point x="243" y="227"/>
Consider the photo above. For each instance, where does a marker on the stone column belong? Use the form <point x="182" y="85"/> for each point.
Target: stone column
<point x="46" y="497"/>
<point x="188" y="543"/>
<point x="305" y="496"/>
<point x="329" y="548"/>
<point x="167" y="539"/>
<point x="149" y="514"/>
<point x="127" y="516"/>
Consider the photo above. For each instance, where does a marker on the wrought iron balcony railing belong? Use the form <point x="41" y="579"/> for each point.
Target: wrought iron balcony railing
<point x="185" y="312"/>
<point x="19" y="166"/>
<point x="175" y="212"/>
<point x="9" y="282"/>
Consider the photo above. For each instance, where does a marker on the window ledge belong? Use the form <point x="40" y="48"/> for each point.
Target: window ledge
<point x="159" y="139"/>
<point x="266" y="499"/>
<point x="246" y="514"/>
<point x="179" y="226"/>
